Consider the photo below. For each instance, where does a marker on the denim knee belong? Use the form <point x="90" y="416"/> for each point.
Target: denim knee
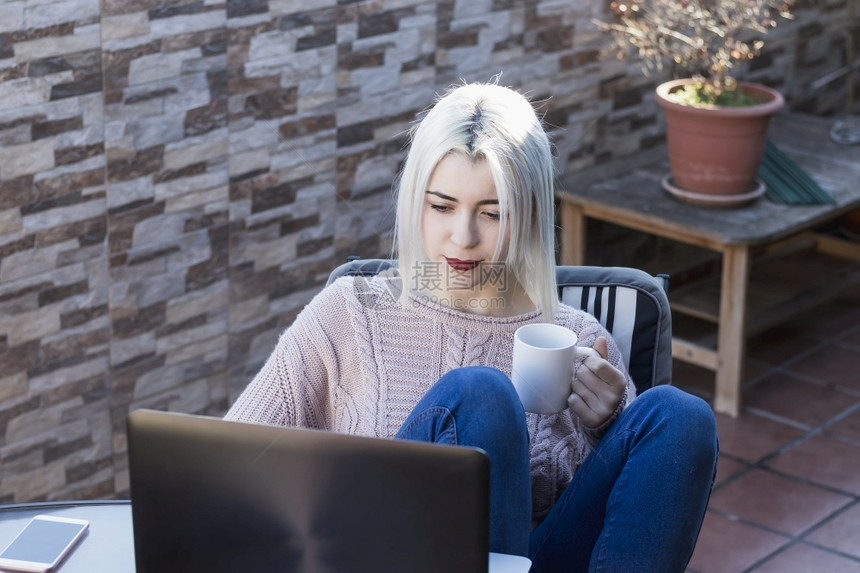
<point x="686" y="418"/>
<point x="482" y="387"/>
<point x="483" y="402"/>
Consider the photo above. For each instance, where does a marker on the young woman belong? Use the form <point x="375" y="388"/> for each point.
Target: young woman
<point x="609" y="484"/>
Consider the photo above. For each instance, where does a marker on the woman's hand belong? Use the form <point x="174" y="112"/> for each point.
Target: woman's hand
<point x="597" y="387"/>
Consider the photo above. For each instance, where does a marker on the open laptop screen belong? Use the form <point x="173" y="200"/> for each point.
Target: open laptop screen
<point x="212" y="495"/>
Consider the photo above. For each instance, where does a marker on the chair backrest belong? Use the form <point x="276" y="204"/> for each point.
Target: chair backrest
<point x="629" y="302"/>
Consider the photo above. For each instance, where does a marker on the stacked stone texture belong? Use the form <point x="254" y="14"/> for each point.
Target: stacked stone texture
<point x="178" y="177"/>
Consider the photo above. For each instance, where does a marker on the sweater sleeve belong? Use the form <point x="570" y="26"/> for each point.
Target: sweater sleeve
<point x="292" y="388"/>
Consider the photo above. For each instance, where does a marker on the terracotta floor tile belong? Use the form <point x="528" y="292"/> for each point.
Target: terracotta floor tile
<point x="727" y="467"/>
<point x="805" y="402"/>
<point x="754" y="512"/>
<point x="700" y="381"/>
<point x="728" y="546"/>
<point x="754" y="369"/>
<point x="822" y="460"/>
<point x="802" y="558"/>
<point x="829" y="319"/>
<point x="778" y="345"/>
<point x="841" y="533"/>
<point x="751" y="437"/>
<point x="848" y="427"/>
<point x="776" y="502"/>
<point x="835" y="364"/>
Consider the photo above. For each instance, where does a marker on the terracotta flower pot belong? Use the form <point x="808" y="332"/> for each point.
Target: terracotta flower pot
<point x="717" y="150"/>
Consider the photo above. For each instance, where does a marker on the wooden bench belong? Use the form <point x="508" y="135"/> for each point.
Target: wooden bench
<point x="629" y="193"/>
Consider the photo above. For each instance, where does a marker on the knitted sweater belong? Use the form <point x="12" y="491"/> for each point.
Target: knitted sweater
<point x="357" y="361"/>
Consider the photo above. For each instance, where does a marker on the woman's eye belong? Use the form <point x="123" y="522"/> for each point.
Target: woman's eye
<point x="493" y="216"/>
<point x="440" y="208"/>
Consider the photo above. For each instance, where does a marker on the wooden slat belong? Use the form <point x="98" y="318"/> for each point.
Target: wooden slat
<point x="693" y="353"/>
<point x="827" y="286"/>
<point x="838" y="247"/>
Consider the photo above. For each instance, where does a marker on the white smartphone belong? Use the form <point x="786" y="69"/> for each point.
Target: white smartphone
<point x="43" y="543"/>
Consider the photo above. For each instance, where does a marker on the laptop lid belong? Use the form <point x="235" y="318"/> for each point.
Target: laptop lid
<point x="210" y="495"/>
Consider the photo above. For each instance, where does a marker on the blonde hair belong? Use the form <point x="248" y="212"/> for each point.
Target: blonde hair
<point x="487" y="122"/>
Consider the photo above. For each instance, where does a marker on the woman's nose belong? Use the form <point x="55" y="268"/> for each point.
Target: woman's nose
<point x="465" y="233"/>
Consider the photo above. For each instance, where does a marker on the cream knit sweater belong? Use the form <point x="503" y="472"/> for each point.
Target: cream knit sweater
<point x="357" y="361"/>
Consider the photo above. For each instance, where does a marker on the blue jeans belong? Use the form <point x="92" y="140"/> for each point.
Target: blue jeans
<point x="478" y="406"/>
<point x="637" y="502"/>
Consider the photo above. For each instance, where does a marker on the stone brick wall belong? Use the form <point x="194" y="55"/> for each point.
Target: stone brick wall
<point x="177" y="178"/>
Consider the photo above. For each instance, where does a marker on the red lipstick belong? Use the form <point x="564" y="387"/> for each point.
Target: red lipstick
<point x="461" y="265"/>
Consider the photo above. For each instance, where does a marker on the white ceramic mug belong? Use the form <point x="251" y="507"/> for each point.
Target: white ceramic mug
<point x="543" y="366"/>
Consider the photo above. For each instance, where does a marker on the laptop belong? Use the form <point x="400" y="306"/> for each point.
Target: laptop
<point x="210" y="495"/>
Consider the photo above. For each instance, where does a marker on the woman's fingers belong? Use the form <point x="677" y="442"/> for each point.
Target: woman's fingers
<point x="592" y="414"/>
<point x="597" y="388"/>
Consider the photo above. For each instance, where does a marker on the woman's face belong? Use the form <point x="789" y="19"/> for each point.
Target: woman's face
<point x="460" y="226"/>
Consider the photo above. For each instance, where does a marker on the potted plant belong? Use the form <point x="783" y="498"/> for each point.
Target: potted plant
<point x="716" y="127"/>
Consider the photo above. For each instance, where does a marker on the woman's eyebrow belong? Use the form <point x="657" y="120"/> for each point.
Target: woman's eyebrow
<point x="455" y="200"/>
